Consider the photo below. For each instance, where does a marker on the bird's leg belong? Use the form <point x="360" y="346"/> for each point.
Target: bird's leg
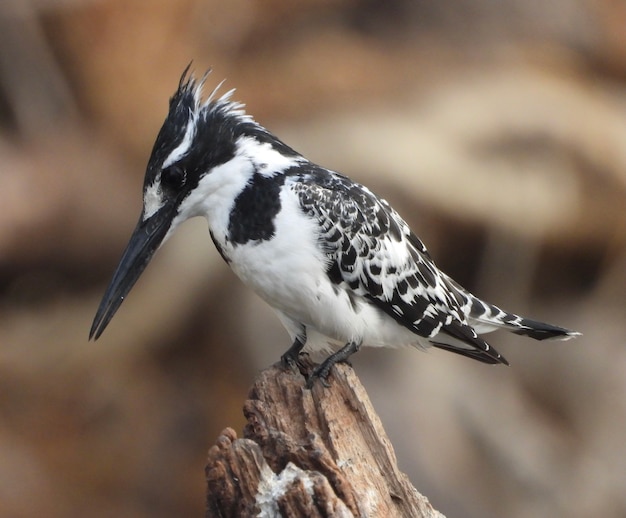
<point x="290" y="358"/>
<point x="322" y="371"/>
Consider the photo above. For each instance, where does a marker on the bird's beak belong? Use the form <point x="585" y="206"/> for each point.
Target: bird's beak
<point x="145" y="240"/>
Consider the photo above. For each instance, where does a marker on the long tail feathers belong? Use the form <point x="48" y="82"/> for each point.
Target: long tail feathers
<point x="542" y="331"/>
<point x="485" y="317"/>
<point x="482" y="317"/>
<point x="460" y="338"/>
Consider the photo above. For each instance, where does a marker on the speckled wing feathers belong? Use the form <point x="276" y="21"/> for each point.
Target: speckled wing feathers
<point x="373" y="253"/>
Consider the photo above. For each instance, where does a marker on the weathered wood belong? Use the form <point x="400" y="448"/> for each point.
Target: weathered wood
<point x="313" y="453"/>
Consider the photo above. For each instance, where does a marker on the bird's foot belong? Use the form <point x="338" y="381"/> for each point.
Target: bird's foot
<point x="322" y="371"/>
<point x="289" y="361"/>
<point x="294" y="362"/>
<point x="291" y="358"/>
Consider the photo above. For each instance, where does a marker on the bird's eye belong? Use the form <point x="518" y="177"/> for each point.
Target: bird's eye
<point x="173" y="177"/>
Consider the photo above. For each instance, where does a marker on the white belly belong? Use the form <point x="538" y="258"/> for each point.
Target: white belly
<point x="289" y="273"/>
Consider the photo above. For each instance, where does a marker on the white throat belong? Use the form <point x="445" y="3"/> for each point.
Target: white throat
<point x="215" y="194"/>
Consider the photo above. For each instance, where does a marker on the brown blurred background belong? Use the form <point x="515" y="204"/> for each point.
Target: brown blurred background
<point x="498" y="129"/>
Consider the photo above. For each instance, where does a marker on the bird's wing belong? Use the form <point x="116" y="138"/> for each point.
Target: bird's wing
<point x="372" y="252"/>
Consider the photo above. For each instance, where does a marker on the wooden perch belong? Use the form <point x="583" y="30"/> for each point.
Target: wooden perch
<point x="311" y="453"/>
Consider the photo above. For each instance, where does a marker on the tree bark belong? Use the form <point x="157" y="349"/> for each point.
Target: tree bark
<point x="312" y="453"/>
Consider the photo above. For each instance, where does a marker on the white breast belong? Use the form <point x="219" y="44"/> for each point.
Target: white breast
<point x="286" y="270"/>
<point x="289" y="273"/>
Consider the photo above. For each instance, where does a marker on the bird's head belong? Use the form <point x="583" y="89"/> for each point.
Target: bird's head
<point x="198" y="138"/>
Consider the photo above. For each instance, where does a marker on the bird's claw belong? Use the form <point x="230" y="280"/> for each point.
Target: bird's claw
<point x="321" y="373"/>
<point x="289" y="362"/>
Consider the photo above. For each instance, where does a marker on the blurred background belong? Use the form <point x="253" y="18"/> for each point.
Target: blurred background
<point x="497" y="129"/>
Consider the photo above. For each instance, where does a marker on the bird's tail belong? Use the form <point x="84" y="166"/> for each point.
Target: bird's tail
<point x="485" y="317"/>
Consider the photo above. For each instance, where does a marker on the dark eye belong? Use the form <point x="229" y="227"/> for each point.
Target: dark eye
<point x="173" y="177"/>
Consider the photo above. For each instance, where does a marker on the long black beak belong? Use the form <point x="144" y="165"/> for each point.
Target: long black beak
<point x="145" y="240"/>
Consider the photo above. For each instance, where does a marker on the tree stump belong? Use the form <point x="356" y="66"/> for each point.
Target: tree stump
<point x="311" y="453"/>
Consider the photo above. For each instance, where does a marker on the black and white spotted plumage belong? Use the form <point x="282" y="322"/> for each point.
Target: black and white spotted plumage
<point x="338" y="264"/>
<point x="374" y="255"/>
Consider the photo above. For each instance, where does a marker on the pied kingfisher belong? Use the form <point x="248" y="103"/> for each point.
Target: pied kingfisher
<point x="338" y="264"/>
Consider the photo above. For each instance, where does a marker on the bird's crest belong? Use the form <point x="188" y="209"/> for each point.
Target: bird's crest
<point x="189" y="98"/>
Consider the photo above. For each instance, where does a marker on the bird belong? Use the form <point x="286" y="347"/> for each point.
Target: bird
<point x="339" y="266"/>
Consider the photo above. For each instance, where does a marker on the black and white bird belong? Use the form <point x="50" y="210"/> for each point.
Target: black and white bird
<point x="338" y="264"/>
